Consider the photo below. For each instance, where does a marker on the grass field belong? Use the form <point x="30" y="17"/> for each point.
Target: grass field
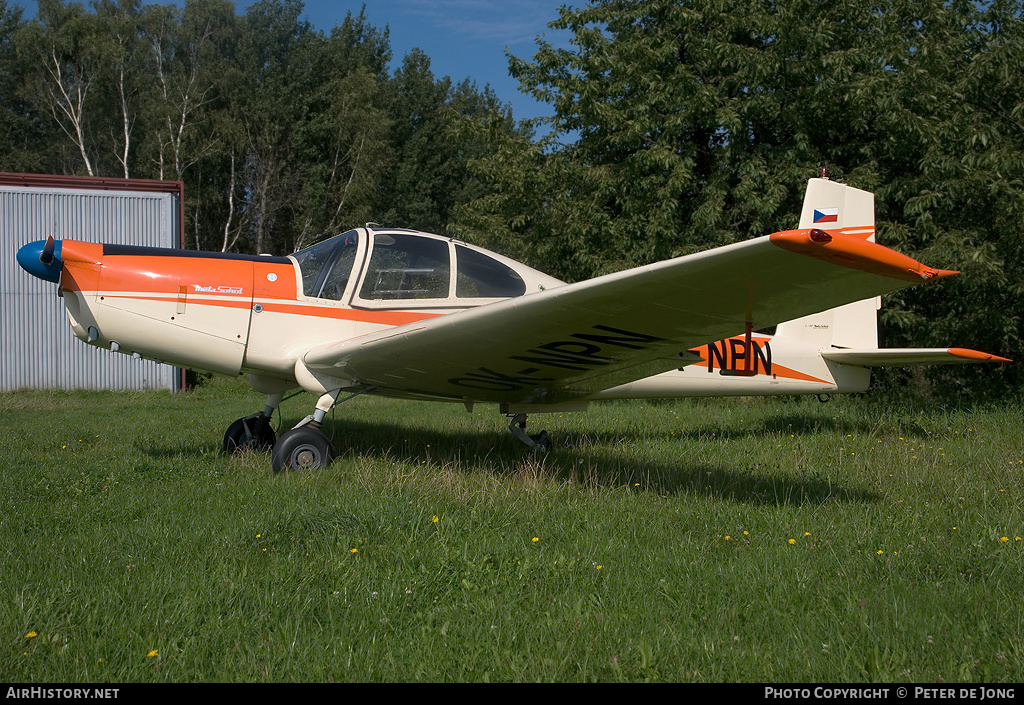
<point x="726" y="540"/>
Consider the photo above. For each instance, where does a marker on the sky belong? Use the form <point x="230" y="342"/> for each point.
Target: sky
<point x="463" y="38"/>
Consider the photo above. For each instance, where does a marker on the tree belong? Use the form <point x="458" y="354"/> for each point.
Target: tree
<point x="120" y="47"/>
<point x="191" y="130"/>
<point x="692" y="124"/>
<point x="22" y="128"/>
<point x="188" y="54"/>
<point x="951" y="186"/>
<point x="344" y="148"/>
<point x="62" y="40"/>
<point x="315" y="134"/>
<point x="277" y="57"/>
<point x="430" y="173"/>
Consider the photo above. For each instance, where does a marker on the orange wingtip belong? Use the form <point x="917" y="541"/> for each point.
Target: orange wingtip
<point x="854" y="253"/>
<point x="976" y="355"/>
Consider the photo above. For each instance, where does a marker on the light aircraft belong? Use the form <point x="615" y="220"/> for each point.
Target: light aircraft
<point x="408" y="314"/>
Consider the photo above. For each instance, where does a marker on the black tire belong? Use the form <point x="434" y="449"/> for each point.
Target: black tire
<point x="302" y="449"/>
<point x="543" y="443"/>
<point x="252" y="433"/>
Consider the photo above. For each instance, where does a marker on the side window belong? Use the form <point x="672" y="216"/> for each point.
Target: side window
<point x="327" y="266"/>
<point x="480" y="276"/>
<point x="407" y="267"/>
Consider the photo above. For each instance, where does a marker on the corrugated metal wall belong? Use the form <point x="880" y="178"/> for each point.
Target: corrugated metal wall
<point x="36" y="344"/>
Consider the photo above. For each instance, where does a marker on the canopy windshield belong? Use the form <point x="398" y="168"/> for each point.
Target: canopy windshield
<point x="327" y="266"/>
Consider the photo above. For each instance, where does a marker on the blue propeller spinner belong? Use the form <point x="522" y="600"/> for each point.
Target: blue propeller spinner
<point x="42" y="259"/>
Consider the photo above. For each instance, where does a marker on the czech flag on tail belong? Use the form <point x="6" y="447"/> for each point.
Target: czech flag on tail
<point x="826" y="215"/>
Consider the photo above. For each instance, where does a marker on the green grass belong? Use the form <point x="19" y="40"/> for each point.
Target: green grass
<point x="726" y="540"/>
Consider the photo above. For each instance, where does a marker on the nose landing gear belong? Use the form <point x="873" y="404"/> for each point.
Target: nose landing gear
<point x="302" y="449"/>
<point x="306" y="447"/>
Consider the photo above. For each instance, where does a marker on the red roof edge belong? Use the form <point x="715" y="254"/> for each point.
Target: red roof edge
<point x="90" y="182"/>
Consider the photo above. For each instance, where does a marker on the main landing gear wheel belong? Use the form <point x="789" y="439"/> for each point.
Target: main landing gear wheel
<point x="302" y="449"/>
<point x="537" y="442"/>
<point x="252" y="433"/>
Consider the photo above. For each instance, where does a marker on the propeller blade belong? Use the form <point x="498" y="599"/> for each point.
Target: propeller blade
<point x="46" y="256"/>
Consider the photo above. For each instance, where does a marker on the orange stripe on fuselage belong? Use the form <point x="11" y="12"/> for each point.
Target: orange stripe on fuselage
<point x="390" y="318"/>
<point x="165" y="298"/>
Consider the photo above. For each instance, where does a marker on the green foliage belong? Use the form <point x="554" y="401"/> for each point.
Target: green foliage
<point x="20" y="126"/>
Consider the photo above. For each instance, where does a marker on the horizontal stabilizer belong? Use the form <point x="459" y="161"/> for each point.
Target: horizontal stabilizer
<point x="899" y="357"/>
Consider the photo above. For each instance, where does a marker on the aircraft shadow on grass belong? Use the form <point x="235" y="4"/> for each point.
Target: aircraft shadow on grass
<point x="592" y="457"/>
<point x="804" y="425"/>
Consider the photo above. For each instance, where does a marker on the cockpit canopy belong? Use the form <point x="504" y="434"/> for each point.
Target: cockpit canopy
<point x="396" y="268"/>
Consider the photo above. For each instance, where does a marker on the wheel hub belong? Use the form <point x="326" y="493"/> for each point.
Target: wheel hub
<point x="306" y="458"/>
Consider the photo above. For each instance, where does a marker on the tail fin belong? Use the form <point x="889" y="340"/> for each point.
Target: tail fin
<point x="829" y="205"/>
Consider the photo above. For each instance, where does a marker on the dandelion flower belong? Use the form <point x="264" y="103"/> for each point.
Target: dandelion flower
<point x="31" y="635"/>
<point x="354" y="550"/>
<point x="728" y="538"/>
<point x="152" y="654"/>
<point x="881" y="552"/>
<point x="1004" y="539"/>
<point x="792" y="541"/>
<point x="807" y="533"/>
<point x="535" y="539"/>
<point x="434" y="518"/>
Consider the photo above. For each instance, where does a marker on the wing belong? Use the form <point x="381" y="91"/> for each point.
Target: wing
<point x="572" y="341"/>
